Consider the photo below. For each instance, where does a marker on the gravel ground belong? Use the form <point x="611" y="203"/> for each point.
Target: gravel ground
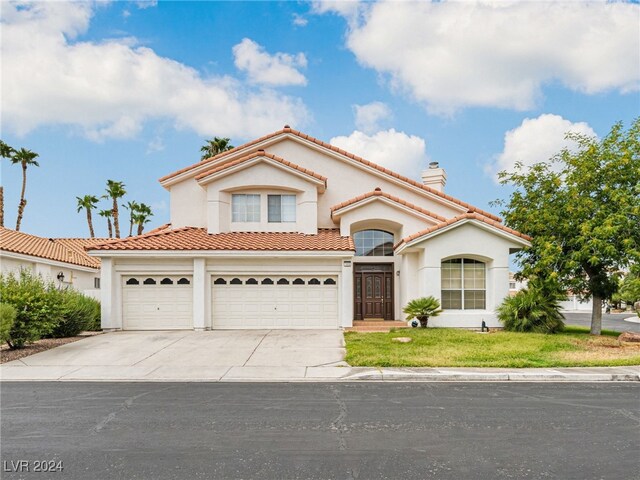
<point x="8" y="355"/>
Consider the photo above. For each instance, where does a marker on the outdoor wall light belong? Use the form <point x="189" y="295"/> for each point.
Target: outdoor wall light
<point x="60" y="276"/>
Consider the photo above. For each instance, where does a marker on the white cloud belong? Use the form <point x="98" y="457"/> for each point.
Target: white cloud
<point x="537" y="140"/>
<point x="155" y="145"/>
<point x="369" y="116"/>
<point x="402" y="153"/>
<point x="495" y="54"/>
<point x="299" y="20"/>
<point x="147" y="3"/>
<point x="261" y="67"/>
<point x="111" y="88"/>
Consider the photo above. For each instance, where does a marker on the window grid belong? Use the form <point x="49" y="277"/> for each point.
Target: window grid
<point x="373" y="243"/>
<point x="245" y="207"/>
<point x="463" y="283"/>
<point x="281" y="208"/>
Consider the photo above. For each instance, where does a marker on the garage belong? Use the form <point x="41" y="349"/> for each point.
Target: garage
<point x="158" y="302"/>
<point x="282" y="301"/>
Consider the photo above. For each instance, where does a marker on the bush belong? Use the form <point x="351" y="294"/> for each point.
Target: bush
<point x="531" y="310"/>
<point x="422" y="309"/>
<point x="7" y="319"/>
<point x="79" y="314"/>
<point x="38" y="306"/>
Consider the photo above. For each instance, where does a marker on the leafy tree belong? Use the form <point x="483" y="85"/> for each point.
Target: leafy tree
<point x="142" y="216"/>
<point x="532" y="309"/>
<point x="25" y="158"/>
<point x="6" y="151"/>
<point x="107" y="214"/>
<point x="133" y="207"/>
<point x="115" y="191"/>
<point x="422" y="308"/>
<point x="582" y="209"/>
<point x="7" y="319"/>
<point x="630" y="286"/>
<point x="213" y="147"/>
<point x="88" y="203"/>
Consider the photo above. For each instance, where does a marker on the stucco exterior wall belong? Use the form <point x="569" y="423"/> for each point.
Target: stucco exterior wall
<point x="188" y="202"/>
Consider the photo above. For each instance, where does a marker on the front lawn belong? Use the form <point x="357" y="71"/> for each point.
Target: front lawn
<point x="449" y="347"/>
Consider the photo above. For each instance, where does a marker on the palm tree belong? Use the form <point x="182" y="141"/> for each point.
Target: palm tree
<point x="213" y="147"/>
<point x="6" y="151"/>
<point x="25" y="158"/>
<point x="142" y="216"/>
<point x="88" y="202"/>
<point x="422" y="309"/>
<point x="115" y="190"/>
<point x="133" y="207"/>
<point x="107" y="214"/>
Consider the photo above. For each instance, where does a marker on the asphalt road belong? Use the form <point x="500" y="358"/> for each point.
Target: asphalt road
<point x="323" y="430"/>
<point x="610" y="321"/>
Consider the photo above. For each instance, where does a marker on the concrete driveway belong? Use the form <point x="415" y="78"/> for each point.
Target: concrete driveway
<point x="186" y="355"/>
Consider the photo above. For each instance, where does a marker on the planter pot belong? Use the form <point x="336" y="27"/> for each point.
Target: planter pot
<point x="423" y="321"/>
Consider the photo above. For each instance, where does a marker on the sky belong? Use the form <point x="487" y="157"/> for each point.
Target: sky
<point x="130" y="91"/>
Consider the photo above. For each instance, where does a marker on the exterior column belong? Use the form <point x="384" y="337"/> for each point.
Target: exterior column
<point x="346" y="293"/>
<point x="199" y="294"/>
<point x="106" y="295"/>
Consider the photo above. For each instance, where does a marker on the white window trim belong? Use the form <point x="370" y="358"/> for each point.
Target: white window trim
<point x="462" y="289"/>
<point x="295" y="213"/>
<point x="246" y="219"/>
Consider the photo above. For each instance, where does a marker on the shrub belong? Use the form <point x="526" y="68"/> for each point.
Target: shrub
<point x="7" y="319"/>
<point x="38" y="306"/>
<point x="79" y="313"/>
<point x="422" y="309"/>
<point x="531" y="310"/>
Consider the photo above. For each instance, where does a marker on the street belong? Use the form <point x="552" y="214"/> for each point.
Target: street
<point x="321" y="430"/>
<point x="610" y="321"/>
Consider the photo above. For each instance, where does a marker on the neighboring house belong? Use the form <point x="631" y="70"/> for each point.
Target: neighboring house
<point x="61" y="260"/>
<point x="288" y="231"/>
<point x="515" y="285"/>
<point x="574" y="303"/>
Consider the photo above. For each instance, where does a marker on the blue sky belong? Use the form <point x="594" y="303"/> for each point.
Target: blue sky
<point x="130" y="90"/>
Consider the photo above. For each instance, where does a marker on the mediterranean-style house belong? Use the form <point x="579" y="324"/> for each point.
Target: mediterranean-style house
<point x="287" y="231"/>
<point x="63" y="261"/>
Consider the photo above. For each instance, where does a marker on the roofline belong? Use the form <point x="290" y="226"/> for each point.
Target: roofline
<point x="222" y="253"/>
<point x="165" y="181"/>
<point x="48" y="261"/>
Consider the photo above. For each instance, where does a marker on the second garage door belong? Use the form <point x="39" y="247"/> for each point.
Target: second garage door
<point x="274" y="302"/>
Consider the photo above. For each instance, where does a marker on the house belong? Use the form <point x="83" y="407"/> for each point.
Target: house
<point x="288" y="231"/>
<point x="61" y="260"/>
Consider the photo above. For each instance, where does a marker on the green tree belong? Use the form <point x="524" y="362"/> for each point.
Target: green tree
<point x="582" y="208"/>
<point x="422" y="308"/>
<point x="133" y="208"/>
<point x="115" y="191"/>
<point x="25" y="158"/>
<point x="107" y="214"/>
<point x="142" y="216"/>
<point x="88" y="203"/>
<point x="6" y="151"/>
<point x="211" y="148"/>
<point x="630" y="286"/>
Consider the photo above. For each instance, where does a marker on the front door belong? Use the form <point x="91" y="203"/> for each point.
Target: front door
<point x="373" y="291"/>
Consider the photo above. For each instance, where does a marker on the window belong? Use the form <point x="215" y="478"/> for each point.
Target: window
<point x="282" y="208"/>
<point x="220" y="281"/>
<point x="267" y="281"/>
<point x="133" y="281"/>
<point x="245" y="208"/>
<point x="329" y="281"/>
<point x="149" y="281"/>
<point x="96" y="282"/>
<point x="373" y="243"/>
<point x="283" y="281"/>
<point x="251" y="281"/>
<point x="512" y="285"/>
<point x="183" y="281"/>
<point x="298" y="281"/>
<point x="166" y="281"/>
<point x="236" y="281"/>
<point x="463" y="284"/>
<point x="314" y="281"/>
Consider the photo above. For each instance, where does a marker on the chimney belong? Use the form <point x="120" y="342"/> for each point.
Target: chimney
<point x="434" y="177"/>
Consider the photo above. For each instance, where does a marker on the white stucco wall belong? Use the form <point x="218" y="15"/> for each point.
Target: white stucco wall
<point x="188" y="203"/>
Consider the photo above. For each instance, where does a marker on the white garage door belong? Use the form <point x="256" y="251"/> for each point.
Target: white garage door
<point x="157" y="302"/>
<point x="274" y="302"/>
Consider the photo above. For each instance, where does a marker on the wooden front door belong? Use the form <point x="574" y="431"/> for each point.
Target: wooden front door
<point x="373" y="291"/>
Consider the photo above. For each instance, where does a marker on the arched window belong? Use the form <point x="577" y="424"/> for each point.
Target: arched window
<point x="220" y="281"/>
<point x="463" y="282"/>
<point x="283" y="281"/>
<point x="267" y="281"/>
<point x="314" y="281"/>
<point x="133" y="281"/>
<point x="329" y="281"/>
<point x="373" y="243"/>
<point x="298" y="281"/>
<point x="236" y="281"/>
<point x="149" y="281"/>
<point x="166" y="281"/>
<point x="184" y="281"/>
<point x="251" y="281"/>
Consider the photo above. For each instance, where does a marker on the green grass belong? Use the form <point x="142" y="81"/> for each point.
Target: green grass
<point x="449" y="347"/>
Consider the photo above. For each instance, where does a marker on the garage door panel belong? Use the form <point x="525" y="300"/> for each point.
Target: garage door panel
<point x="289" y="302"/>
<point x="157" y="306"/>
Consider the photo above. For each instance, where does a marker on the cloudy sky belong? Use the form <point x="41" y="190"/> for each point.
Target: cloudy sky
<point x="130" y="90"/>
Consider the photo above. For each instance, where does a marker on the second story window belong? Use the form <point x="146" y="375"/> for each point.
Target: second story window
<point x="245" y="208"/>
<point x="282" y="208"/>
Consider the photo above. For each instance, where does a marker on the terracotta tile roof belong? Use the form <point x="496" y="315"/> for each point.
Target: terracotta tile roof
<point x="379" y="193"/>
<point x="260" y="153"/>
<point x="333" y="148"/>
<point x="465" y="216"/>
<point x="195" y="238"/>
<point x="68" y="250"/>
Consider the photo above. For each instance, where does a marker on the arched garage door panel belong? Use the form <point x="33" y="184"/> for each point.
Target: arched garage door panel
<point x="274" y="302"/>
<point x="157" y="303"/>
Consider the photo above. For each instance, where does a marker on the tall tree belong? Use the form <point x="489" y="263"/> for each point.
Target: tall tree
<point x="142" y="216"/>
<point x="6" y="151"/>
<point x="107" y="214"/>
<point x="133" y="207"/>
<point x="88" y="203"/>
<point x="115" y="191"/>
<point x="211" y="148"/>
<point x="25" y="158"/>
<point x="582" y="208"/>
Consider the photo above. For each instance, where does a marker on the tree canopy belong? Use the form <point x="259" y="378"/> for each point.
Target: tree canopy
<point x="211" y="148"/>
<point x="582" y="208"/>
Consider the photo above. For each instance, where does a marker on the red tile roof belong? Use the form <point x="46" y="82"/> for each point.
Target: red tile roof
<point x="333" y="148"/>
<point x="67" y="250"/>
<point x="459" y="218"/>
<point x="379" y="193"/>
<point x="260" y="153"/>
<point x="195" y="238"/>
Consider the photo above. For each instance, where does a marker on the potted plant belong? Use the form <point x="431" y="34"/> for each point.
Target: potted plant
<point x="422" y="309"/>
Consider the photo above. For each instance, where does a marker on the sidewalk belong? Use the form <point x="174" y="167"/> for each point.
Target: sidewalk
<point x="16" y="372"/>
